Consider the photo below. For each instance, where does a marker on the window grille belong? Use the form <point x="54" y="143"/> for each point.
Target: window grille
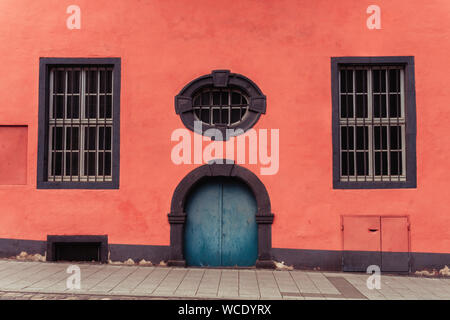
<point x="372" y="123"/>
<point x="224" y="106"/>
<point x="80" y="124"/>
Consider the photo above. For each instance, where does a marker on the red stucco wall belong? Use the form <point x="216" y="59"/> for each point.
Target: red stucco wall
<point x="285" y="47"/>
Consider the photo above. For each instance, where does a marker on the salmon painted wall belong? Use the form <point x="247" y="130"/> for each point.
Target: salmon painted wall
<point x="283" y="46"/>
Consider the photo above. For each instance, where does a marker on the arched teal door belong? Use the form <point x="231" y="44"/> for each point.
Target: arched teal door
<point x="220" y="226"/>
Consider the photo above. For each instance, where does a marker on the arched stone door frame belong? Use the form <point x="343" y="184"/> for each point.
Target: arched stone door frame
<point x="264" y="216"/>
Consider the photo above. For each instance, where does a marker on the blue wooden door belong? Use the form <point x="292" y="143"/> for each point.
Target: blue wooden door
<point x="220" y="227"/>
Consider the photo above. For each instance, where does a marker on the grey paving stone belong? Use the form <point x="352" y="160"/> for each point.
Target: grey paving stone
<point x="170" y="283"/>
<point x="191" y="282"/>
<point x="209" y="285"/>
<point x="113" y="280"/>
<point x="285" y="282"/>
<point x="151" y="282"/>
<point x="268" y="287"/>
<point x="132" y="281"/>
<point x="229" y="284"/>
<point x="248" y="284"/>
<point x="303" y="282"/>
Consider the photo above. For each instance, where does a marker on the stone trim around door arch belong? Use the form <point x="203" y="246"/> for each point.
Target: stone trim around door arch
<point x="264" y="216"/>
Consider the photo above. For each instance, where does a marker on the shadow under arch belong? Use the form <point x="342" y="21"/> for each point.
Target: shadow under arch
<point x="264" y="216"/>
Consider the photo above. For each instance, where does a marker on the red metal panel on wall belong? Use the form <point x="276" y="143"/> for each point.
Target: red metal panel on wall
<point x="361" y="242"/>
<point x="362" y="233"/>
<point x="394" y="243"/>
<point x="13" y="154"/>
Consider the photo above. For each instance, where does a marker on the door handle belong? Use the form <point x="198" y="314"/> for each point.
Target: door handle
<point x="373" y="230"/>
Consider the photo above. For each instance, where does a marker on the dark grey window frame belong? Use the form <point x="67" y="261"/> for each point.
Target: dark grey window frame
<point x="220" y="79"/>
<point x="45" y="64"/>
<point x="410" y="121"/>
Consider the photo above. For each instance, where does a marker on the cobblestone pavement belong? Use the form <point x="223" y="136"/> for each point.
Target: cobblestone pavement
<point x="47" y="280"/>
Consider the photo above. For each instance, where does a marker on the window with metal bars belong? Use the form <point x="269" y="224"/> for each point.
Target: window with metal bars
<point x="226" y="106"/>
<point x="372" y="139"/>
<point x="227" y="102"/>
<point x="81" y="123"/>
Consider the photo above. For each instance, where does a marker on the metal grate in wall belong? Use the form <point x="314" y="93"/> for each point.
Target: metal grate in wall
<point x="372" y="123"/>
<point x="80" y="124"/>
<point x="77" y="251"/>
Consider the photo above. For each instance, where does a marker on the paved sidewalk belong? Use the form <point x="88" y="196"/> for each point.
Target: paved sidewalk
<point x="46" y="280"/>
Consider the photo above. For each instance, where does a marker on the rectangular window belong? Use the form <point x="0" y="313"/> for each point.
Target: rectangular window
<point x="373" y="124"/>
<point x="79" y="123"/>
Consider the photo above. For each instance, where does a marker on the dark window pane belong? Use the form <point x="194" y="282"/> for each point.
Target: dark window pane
<point x="73" y="107"/>
<point x="91" y="106"/>
<point x="59" y="81"/>
<point x="100" y="163"/>
<point x="72" y="138"/>
<point x="89" y="163"/>
<point x="346" y="81"/>
<point x="361" y="106"/>
<point x="380" y="135"/>
<point x="362" y="163"/>
<point x="104" y="163"/>
<point x="379" y="80"/>
<point x="379" y="106"/>
<point x="394" y="105"/>
<point x="235" y="115"/>
<point x="216" y="116"/>
<point x="73" y="81"/>
<point x="381" y="163"/>
<point x="362" y="138"/>
<point x="347" y="138"/>
<point x="72" y="163"/>
<point x="205" y="99"/>
<point x="216" y="98"/>
<point x="396" y="163"/>
<point x="57" y="138"/>
<point x="91" y="81"/>
<point x="235" y="98"/>
<point x="395" y="137"/>
<point x="225" y="98"/>
<point x="57" y="164"/>
<point x="104" y="140"/>
<point x="361" y="80"/>
<point x="346" y="106"/>
<point x="108" y="163"/>
<point x="105" y="81"/>
<point x="58" y="111"/>
<point x="105" y="104"/>
<point x="348" y="163"/>
<point x="394" y="80"/>
<point x="225" y="116"/>
<point x="89" y="138"/>
<point x="205" y="113"/>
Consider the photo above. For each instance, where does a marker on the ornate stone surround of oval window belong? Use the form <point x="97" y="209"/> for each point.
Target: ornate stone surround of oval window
<point x="221" y="100"/>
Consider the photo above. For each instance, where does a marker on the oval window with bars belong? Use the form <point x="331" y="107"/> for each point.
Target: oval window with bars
<point x="227" y="106"/>
<point x="220" y="100"/>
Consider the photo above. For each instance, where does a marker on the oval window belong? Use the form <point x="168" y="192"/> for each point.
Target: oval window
<point x="220" y="100"/>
